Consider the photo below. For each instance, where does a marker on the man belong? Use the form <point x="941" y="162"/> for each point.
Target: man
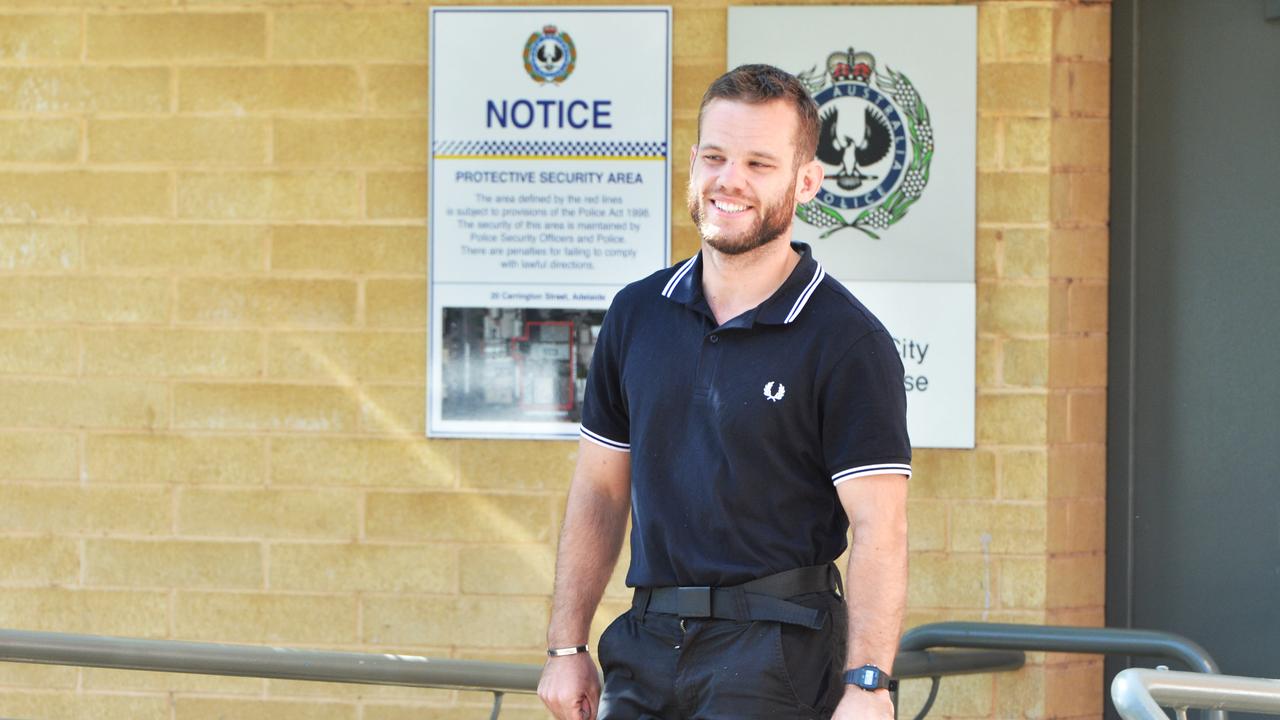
<point x="741" y="405"/>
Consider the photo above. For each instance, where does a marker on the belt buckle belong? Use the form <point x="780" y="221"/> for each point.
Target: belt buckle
<point x="693" y="602"/>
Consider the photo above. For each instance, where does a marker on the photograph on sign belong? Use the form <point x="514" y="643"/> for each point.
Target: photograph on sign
<point x="549" y="191"/>
<point x="896" y="89"/>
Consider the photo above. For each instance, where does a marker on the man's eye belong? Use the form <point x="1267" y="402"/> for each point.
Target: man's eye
<point x="712" y="158"/>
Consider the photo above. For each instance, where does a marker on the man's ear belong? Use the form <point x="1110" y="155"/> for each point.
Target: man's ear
<point x="809" y="181"/>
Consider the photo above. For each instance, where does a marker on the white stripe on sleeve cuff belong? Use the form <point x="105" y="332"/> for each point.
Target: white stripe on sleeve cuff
<point x="865" y="470"/>
<point x="603" y="441"/>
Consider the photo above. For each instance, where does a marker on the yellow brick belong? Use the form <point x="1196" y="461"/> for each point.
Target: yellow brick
<point x="408" y="462"/>
<point x="1026" y="363"/>
<point x="46" y="677"/>
<point x="987" y="371"/>
<point x="998" y="527"/>
<point x="466" y="621"/>
<point x="1082" y="88"/>
<point x="84" y="299"/>
<point x="435" y="712"/>
<point x="1078" y="526"/>
<point x="263" y="407"/>
<point x="1077" y="471"/>
<point x="1014" y="88"/>
<point x="88" y="403"/>
<point x="508" y="569"/>
<point x="396" y="303"/>
<point x="83" y="195"/>
<point x="1021" y="197"/>
<point x="1079" y="253"/>
<point x="1087" y="417"/>
<point x="989" y="32"/>
<point x="364" y="568"/>
<point x="40" y="352"/>
<point x="67" y="509"/>
<point x="1080" y="197"/>
<point x="928" y="525"/>
<point x="1022" y="582"/>
<point x="1012" y="419"/>
<point x="392" y="34"/>
<point x="1082" y="32"/>
<point x="207" y="141"/>
<point x="989" y="143"/>
<point x="84" y="90"/>
<point x="312" y="88"/>
<point x="1025" y="253"/>
<point x="1081" y="143"/>
<point x="267" y="302"/>
<point x="176" y="459"/>
<point x="542" y="465"/>
<point x="989" y="248"/>
<point x="177" y="249"/>
<point x="953" y="474"/>
<point x="456" y="517"/>
<point x="1024" y="475"/>
<point x="39" y="247"/>
<point x="397" y="88"/>
<point x="397" y="195"/>
<point x="39" y="456"/>
<point x="117" y="680"/>
<point x="964" y="696"/>
<point x="396" y="409"/>
<point x="262" y="618"/>
<point x="700" y="34"/>
<point x="180" y="37"/>
<point x="366" y="141"/>
<point x="96" y="612"/>
<point x="32" y="38"/>
<point x="1087" y="307"/>
<point x="686" y="96"/>
<point x="1063" y="697"/>
<point x="1013" y="309"/>
<point x="347" y="357"/>
<point x="949" y="581"/>
<point x="66" y="705"/>
<point x="1026" y="143"/>
<point x="47" y="140"/>
<point x="349" y="249"/>
<point x="198" y="708"/>
<point x="223" y="512"/>
<point x="1028" y="33"/>
<point x="173" y="564"/>
<point x="314" y="195"/>
<point x="1020" y="694"/>
<point x="1058" y="306"/>
<point x="281" y="689"/>
<point x="39" y="561"/>
<point x="1078" y="361"/>
<point x="171" y="353"/>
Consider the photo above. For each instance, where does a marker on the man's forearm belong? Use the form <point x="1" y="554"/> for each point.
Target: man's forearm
<point x="595" y="519"/>
<point x="877" y="593"/>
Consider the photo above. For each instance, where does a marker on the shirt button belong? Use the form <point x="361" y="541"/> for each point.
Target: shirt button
<point x="714" y="338"/>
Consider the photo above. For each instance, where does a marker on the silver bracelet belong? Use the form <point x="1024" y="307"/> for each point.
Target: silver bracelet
<point x="561" y="652"/>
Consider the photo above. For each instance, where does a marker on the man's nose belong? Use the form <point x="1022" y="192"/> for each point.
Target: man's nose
<point x="731" y="175"/>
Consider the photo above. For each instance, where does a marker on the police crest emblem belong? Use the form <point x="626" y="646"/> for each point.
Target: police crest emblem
<point x="549" y="56"/>
<point x="875" y="141"/>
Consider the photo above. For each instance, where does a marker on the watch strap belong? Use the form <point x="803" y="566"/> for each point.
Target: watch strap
<point x="562" y="651"/>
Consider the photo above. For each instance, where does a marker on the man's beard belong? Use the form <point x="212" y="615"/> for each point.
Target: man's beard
<point x="774" y="221"/>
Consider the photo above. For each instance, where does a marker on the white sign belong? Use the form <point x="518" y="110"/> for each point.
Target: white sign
<point x="550" y="185"/>
<point x="896" y="89"/>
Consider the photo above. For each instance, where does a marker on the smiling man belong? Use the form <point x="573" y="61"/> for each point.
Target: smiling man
<point x="746" y="411"/>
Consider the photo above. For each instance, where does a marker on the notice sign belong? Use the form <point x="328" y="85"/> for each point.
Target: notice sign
<point x="549" y="190"/>
<point x="896" y="88"/>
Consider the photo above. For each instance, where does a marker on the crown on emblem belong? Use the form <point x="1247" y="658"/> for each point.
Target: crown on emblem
<point x="847" y="66"/>
<point x="548" y="29"/>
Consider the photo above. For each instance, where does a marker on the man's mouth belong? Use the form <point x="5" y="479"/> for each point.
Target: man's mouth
<point x="725" y="206"/>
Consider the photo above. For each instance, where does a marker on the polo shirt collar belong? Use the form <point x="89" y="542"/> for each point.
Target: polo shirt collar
<point x="781" y="308"/>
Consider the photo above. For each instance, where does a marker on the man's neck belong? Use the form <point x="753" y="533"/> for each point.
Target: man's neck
<point x="733" y="284"/>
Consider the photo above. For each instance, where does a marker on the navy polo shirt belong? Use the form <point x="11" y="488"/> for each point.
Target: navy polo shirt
<point x="739" y="433"/>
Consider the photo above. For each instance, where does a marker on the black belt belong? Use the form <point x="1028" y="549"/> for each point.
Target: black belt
<point x="761" y="599"/>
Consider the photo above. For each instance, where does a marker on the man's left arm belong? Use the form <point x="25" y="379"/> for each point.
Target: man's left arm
<point x="876" y="585"/>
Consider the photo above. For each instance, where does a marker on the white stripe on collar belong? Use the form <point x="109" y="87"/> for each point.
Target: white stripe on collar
<point x="818" y="275"/>
<point x="675" y="279"/>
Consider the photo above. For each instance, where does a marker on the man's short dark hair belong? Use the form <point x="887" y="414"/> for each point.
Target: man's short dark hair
<point x="756" y="84"/>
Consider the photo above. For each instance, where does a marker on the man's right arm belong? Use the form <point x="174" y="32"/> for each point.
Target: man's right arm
<point x="595" y="519"/>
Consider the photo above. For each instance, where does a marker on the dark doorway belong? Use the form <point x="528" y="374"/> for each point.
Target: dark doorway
<point x="1193" y="531"/>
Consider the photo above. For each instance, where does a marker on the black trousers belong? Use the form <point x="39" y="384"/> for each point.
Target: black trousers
<point x="656" y="667"/>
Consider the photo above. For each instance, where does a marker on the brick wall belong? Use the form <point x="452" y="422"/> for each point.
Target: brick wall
<point x="212" y="312"/>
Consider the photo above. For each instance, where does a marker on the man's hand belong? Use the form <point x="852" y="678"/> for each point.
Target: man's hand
<point x="570" y="687"/>
<point x="858" y="704"/>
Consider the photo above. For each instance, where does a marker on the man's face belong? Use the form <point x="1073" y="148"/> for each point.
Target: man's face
<point x="742" y="176"/>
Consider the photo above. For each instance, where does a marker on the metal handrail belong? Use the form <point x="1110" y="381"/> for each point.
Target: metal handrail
<point x="1063" y="638"/>
<point x="1138" y="693"/>
<point x="49" y="648"/>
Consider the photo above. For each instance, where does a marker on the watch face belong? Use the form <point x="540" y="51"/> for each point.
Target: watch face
<point x="866" y="677"/>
